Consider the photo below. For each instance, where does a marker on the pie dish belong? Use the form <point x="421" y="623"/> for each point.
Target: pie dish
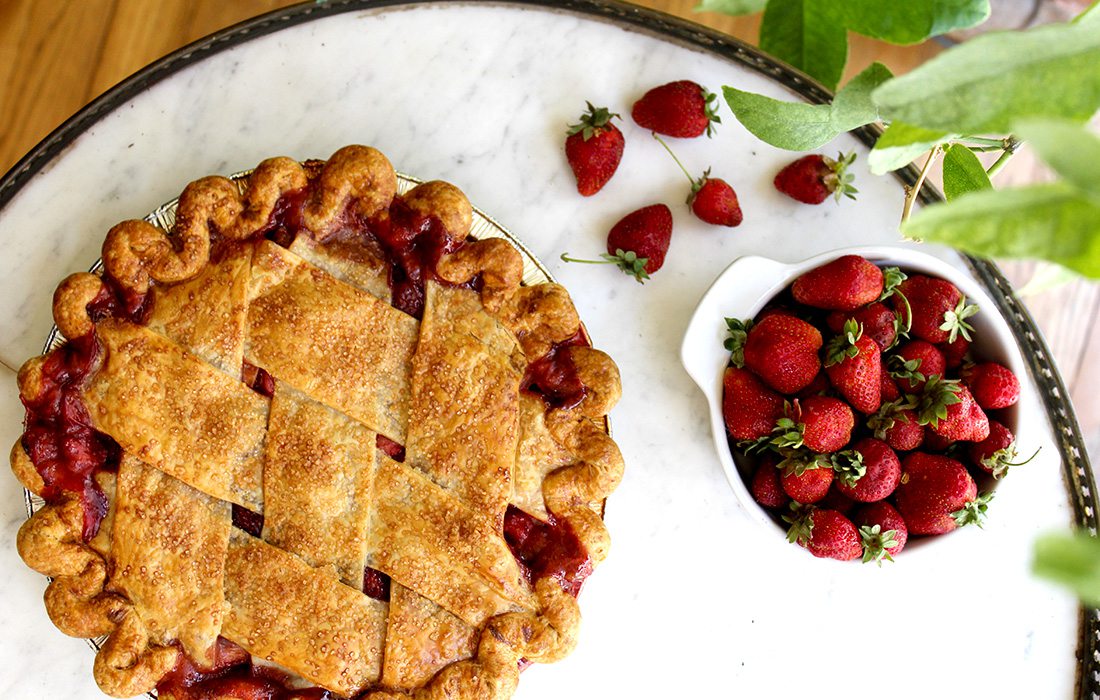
<point x="316" y="441"/>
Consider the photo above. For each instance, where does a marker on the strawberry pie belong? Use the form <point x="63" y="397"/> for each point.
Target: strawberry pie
<point x="316" y="441"/>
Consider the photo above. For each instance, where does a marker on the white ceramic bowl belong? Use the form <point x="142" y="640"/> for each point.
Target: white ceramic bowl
<point x="749" y="283"/>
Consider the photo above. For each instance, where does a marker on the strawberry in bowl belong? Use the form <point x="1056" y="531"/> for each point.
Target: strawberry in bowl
<point x="875" y="389"/>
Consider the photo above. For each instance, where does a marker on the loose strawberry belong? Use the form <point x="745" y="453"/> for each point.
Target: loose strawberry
<point x="826" y="533"/>
<point x="637" y="244"/>
<point x="594" y="148"/>
<point x="683" y="109"/>
<point x="782" y="350"/>
<point x="996" y="453"/>
<point x="844" y="284"/>
<point x="881" y="476"/>
<point x="765" y="487"/>
<point x="936" y="495"/>
<point x="896" y="424"/>
<point x="879" y="322"/>
<point x="811" y="179"/>
<point x="914" y="363"/>
<point x="712" y="199"/>
<point x="993" y="385"/>
<point x="749" y="408"/>
<point x="961" y="419"/>
<point x="882" y="530"/>
<point x="854" y="366"/>
<point x="938" y="309"/>
<point x="809" y="486"/>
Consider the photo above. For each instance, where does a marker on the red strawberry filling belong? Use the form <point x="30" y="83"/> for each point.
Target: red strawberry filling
<point x="547" y="549"/>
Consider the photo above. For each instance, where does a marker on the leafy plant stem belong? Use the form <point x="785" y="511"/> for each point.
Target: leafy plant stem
<point x="1010" y="147"/>
<point x="980" y="140"/>
<point x="662" y="142"/>
<point x="912" y="192"/>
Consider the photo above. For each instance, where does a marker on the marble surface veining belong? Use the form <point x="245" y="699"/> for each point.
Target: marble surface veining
<point x="695" y="600"/>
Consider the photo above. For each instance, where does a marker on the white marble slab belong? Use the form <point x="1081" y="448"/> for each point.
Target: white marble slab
<point x="695" y="600"/>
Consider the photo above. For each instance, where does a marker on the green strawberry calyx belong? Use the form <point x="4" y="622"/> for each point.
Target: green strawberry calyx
<point x="954" y="321"/>
<point x="901" y="368"/>
<point x="937" y="395"/>
<point x="735" y="343"/>
<point x="999" y="461"/>
<point x="876" y="543"/>
<point x="710" y="108"/>
<point x="843" y="346"/>
<point x="801" y="521"/>
<point x="595" y="120"/>
<point x="839" y="181"/>
<point x="973" y="513"/>
<point x="626" y="260"/>
<point x="849" y="466"/>
<point x="888" y="414"/>
<point x="892" y="279"/>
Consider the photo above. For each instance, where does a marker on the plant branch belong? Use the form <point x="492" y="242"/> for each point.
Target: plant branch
<point x="1011" y="144"/>
<point x="912" y="192"/>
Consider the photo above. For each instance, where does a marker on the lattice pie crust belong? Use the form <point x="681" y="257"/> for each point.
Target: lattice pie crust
<point x="311" y="347"/>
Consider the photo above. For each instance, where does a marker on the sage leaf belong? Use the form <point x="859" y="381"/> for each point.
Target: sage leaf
<point x="731" y="7"/>
<point x="807" y="35"/>
<point x="1054" y="222"/>
<point x="901" y="144"/>
<point x="911" y="21"/>
<point x="1072" y="560"/>
<point x="982" y="86"/>
<point x="1069" y="148"/>
<point x="797" y="126"/>
<point x="962" y="172"/>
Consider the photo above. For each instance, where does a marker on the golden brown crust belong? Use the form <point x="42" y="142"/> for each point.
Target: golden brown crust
<point x="359" y="176"/>
<point x="302" y="618"/>
<point x="318" y="473"/>
<point x="421" y="639"/>
<point x="360" y="264"/>
<point x="79" y="607"/>
<point x="175" y="412"/>
<point x="270" y="180"/>
<point x="70" y="303"/>
<point x="362" y="368"/>
<point x="127" y="665"/>
<point x="537" y="454"/>
<point x="445" y="202"/>
<point x="24" y="470"/>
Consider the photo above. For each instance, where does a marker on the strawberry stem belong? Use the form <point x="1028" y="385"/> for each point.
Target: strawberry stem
<point x="695" y="184"/>
<point x="626" y="260"/>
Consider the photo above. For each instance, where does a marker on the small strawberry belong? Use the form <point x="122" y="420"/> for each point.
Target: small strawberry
<point x="594" y="147"/>
<point x="936" y="495"/>
<point x="749" y="408"/>
<point x="765" y="487"/>
<point x="637" y="244"/>
<point x="955" y="352"/>
<point x="882" y="530"/>
<point x="826" y="533"/>
<point x="808" y="486"/>
<point x="811" y="179"/>
<point x="683" y="109"/>
<point x="826" y="423"/>
<point x="883" y="470"/>
<point x="914" y="363"/>
<point x="879" y="322"/>
<point x="889" y="391"/>
<point x="962" y="420"/>
<point x="996" y="453"/>
<point x="844" y="284"/>
<point x="712" y="199"/>
<point x="938" y="310"/>
<point x="896" y="424"/>
<point x="854" y="366"/>
<point x="993" y="385"/>
<point x="782" y="350"/>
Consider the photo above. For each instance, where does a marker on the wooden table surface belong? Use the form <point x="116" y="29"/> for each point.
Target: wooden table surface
<point x="57" y="55"/>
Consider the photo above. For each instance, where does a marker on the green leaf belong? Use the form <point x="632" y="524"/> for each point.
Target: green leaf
<point x="901" y="144"/>
<point x="989" y="82"/>
<point x="962" y="172"/>
<point x="1052" y="222"/>
<point x="1069" y="148"/>
<point x="1071" y="560"/>
<point x="808" y="35"/>
<point x="797" y="126"/>
<point x="1047" y="276"/>
<point x="731" y="7"/>
<point x="911" y="21"/>
<point x="1090" y="16"/>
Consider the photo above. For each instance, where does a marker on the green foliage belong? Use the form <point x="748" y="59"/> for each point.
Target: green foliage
<point x="1054" y="222"/>
<point x="731" y="7"/>
<point x="902" y="143"/>
<point x="797" y="126"/>
<point x="962" y="172"/>
<point x="1072" y="560"/>
<point x="1069" y="149"/>
<point x="986" y="84"/>
<point x="808" y="35"/>
<point x="911" y="21"/>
